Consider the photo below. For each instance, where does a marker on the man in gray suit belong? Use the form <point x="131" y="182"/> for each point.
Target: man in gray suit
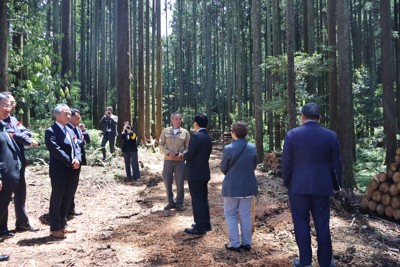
<point x="10" y="165"/>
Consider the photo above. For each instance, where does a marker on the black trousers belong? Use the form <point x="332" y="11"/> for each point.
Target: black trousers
<point x="201" y="209"/>
<point x="5" y="198"/>
<point x="19" y="201"/>
<point x="62" y="193"/>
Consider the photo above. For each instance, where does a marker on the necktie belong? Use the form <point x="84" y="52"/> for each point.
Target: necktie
<point x="70" y="141"/>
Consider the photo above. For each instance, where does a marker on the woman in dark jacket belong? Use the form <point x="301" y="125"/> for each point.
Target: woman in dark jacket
<point x="238" y="163"/>
<point x="129" y="150"/>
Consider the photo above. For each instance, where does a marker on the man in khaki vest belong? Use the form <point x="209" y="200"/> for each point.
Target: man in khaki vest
<point x="173" y="143"/>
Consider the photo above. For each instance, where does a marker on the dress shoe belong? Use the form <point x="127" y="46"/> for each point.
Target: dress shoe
<point x="6" y="233"/>
<point x="76" y="213"/>
<point x="246" y="247"/>
<point x="68" y="231"/>
<point x="169" y="206"/>
<point x="24" y="228"/>
<point x="179" y="207"/>
<point x="296" y="263"/>
<point x="57" y="234"/>
<point x="4" y="257"/>
<point x="194" y="231"/>
<point x="232" y="248"/>
<point x="208" y="227"/>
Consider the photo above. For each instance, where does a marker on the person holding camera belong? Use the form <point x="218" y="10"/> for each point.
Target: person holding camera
<point x="174" y="141"/>
<point x="109" y="127"/>
<point x="130" y="152"/>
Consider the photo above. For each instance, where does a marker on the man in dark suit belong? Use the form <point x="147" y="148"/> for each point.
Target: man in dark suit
<point x="65" y="159"/>
<point x="22" y="136"/>
<point x="197" y="172"/>
<point x="82" y="138"/>
<point x="109" y="127"/>
<point x="10" y="165"/>
<point x="311" y="155"/>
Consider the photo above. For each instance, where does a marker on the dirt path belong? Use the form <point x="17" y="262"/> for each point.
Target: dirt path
<point x="125" y="225"/>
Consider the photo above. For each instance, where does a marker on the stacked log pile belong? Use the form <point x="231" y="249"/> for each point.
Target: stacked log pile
<point x="382" y="196"/>
<point x="273" y="162"/>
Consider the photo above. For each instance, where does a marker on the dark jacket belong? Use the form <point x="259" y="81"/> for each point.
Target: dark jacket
<point x="82" y="138"/>
<point x="61" y="152"/>
<point x="10" y="160"/>
<point x="109" y="124"/>
<point x="240" y="180"/>
<point x="197" y="168"/>
<point x="310" y="155"/>
<point x="129" y="141"/>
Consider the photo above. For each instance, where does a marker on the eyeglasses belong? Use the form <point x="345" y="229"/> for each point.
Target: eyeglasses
<point x="6" y="106"/>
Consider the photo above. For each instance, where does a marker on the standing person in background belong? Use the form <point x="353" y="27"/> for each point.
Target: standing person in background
<point x="239" y="160"/>
<point x="10" y="166"/>
<point x="197" y="172"/>
<point x="82" y="138"/>
<point x="64" y="167"/>
<point x="130" y="151"/>
<point x="311" y="165"/>
<point x="22" y="136"/>
<point x="173" y="143"/>
<point x="109" y="127"/>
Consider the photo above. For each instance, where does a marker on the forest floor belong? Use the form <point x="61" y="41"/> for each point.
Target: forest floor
<point x="124" y="224"/>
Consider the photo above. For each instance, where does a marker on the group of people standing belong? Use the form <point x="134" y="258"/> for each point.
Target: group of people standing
<point x="312" y="172"/>
<point x="238" y="163"/>
<point x="311" y="167"/>
<point x="64" y="141"/>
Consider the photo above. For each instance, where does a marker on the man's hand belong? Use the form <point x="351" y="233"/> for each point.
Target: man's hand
<point x="34" y="143"/>
<point x="75" y="164"/>
<point x="1" y="185"/>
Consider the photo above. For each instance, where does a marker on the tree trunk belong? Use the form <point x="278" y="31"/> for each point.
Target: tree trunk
<point x="332" y="74"/>
<point x="56" y="32"/>
<point x="123" y="63"/>
<point x="147" y="75"/>
<point x="140" y="39"/>
<point x="3" y="46"/>
<point x="389" y="107"/>
<point x="345" y="100"/>
<point x="66" y="49"/>
<point x="159" y="73"/>
<point x="290" y="61"/>
<point x="256" y="26"/>
<point x="102" y="91"/>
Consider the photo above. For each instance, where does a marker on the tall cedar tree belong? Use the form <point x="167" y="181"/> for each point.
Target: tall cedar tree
<point x="256" y="26"/>
<point x="345" y="100"/>
<point x="389" y="106"/>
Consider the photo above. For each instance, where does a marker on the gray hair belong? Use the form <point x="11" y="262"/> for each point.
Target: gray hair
<point x="58" y="109"/>
<point x="3" y="96"/>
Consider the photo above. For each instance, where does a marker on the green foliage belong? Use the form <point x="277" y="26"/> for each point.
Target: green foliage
<point x="305" y="66"/>
<point x="40" y="88"/>
<point x="367" y="102"/>
<point x="370" y="158"/>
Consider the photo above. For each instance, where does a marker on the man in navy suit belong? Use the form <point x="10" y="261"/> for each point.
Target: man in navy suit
<point x="82" y="138"/>
<point x="22" y="136"/>
<point x="197" y="172"/>
<point x="10" y="165"/>
<point x="65" y="161"/>
<point x="311" y="161"/>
